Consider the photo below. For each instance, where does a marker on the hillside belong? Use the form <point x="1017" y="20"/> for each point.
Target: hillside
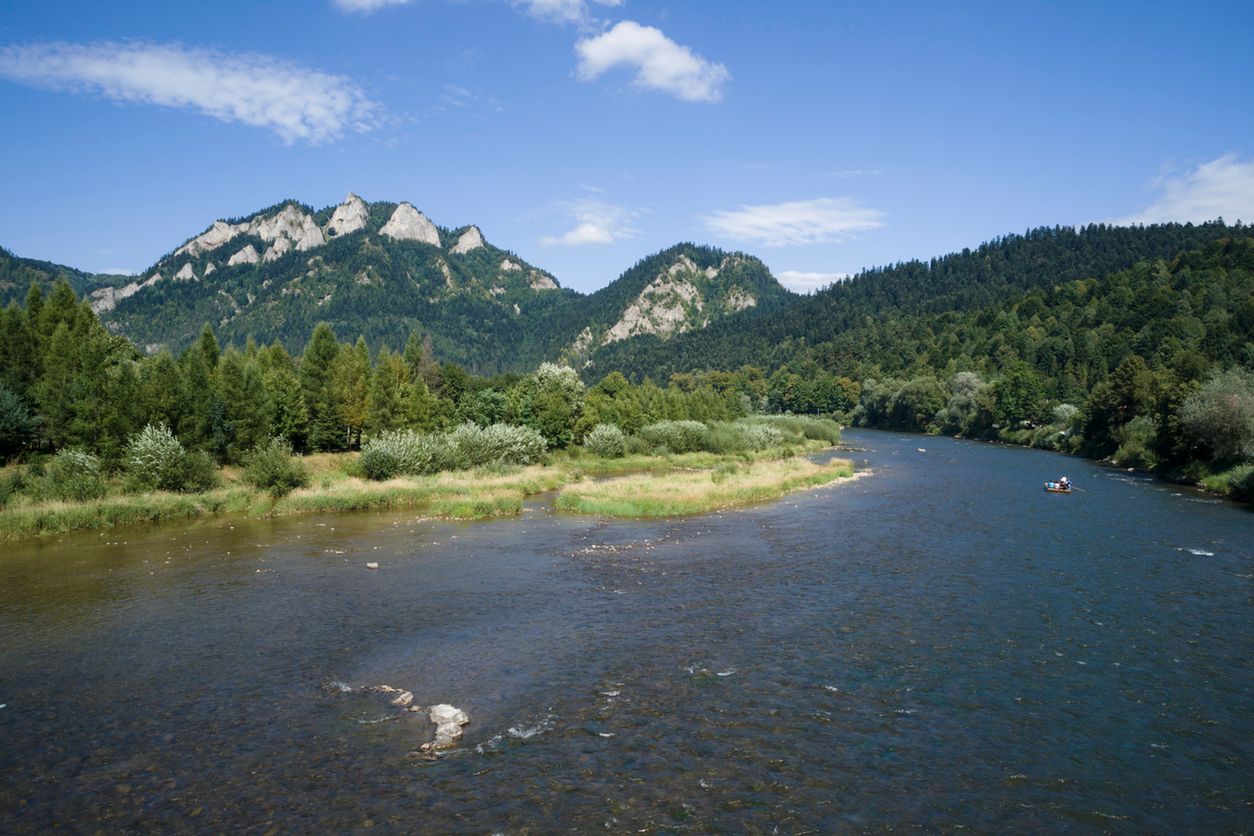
<point x="835" y="327"/>
<point x="383" y="270"/>
<point x="18" y="274"/>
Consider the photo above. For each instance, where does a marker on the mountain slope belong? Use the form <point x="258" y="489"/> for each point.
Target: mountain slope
<point x="812" y="326"/>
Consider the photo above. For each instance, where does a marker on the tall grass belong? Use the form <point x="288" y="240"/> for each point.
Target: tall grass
<point x="656" y="495"/>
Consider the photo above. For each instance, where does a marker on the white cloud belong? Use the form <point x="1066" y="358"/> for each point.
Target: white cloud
<point x="796" y="222"/>
<point x="1222" y="186"/>
<point x="368" y="6"/>
<point x="804" y="282"/>
<point x="562" y="11"/>
<point x="296" y="103"/>
<point x="596" y="222"/>
<point x="659" y="62"/>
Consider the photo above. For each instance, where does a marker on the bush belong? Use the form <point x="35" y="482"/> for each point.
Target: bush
<point x="473" y="446"/>
<point x="271" y="467"/>
<point x="73" y="475"/>
<point x="1238" y="482"/>
<point x="403" y="453"/>
<point x="1136" y="443"/>
<point x="11" y="485"/>
<point x="798" y="427"/>
<point x="156" y="461"/>
<point x="675" y="436"/>
<point x="606" y="441"/>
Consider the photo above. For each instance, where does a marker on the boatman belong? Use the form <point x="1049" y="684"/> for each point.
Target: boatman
<point x="1064" y="483"/>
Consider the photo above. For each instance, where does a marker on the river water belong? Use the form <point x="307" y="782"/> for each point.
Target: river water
<point x="939" y="645"/>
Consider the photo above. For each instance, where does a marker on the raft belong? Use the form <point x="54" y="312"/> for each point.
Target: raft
<point x="1054" y="487"/>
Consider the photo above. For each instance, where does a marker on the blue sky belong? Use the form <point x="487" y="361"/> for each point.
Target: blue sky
<point x="586" y="134"/>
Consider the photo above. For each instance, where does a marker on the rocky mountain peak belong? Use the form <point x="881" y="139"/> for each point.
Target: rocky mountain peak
<point x="349" y="216"/>
<point x="408" y="224"/>
<point x="471" y="239"/>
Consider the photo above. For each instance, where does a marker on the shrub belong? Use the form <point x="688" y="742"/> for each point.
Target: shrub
<point x="1237" y="482"/>
<point x="473" y="446"/>
<point x="403" y="453"/>
<point x="606" y="441"/>
<point x="801" y="427"/>
<point x="156" y="460"/>
<point x="1136" y="443"/>
<point x="200" y="473"/>
<point x="637" y="446"/>
<point x="271" y="467"/>
<point x="675" y="436"/>
<point x="73" y="475"/>
<point x="10" y="485"/>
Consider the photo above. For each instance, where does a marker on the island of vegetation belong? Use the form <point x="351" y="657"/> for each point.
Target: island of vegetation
<point x="118" y="438"/>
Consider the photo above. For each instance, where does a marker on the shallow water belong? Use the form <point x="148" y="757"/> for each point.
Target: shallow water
<point x="941" y="644"/>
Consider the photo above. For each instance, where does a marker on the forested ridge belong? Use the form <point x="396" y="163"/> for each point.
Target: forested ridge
<point x="1133" y="343"/>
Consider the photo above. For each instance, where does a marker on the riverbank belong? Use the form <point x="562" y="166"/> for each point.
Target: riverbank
<point x="688" y="483"/>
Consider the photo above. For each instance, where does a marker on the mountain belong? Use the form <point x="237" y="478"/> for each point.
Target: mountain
<point x="383" y="269"/>
<point x="843" y="328"/>
<point x="18" y="274"/>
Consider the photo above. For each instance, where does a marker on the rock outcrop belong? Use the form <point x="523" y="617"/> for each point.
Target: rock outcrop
<point x="539" y="281"/>
<point x="185" y="273"/>
<point x="662" y="308"/>
<point x="349" y="216"/>
<point x="509" y="266"/>
<point x="448" y="726"/>
<point x="471" y="239"/>
<point x="214" y="237"/>
<point x="408" y="224"/>
<point x="280" y="248"/>
<point x="290" y="223"/>
<point x="248" y="255"/>
<point x="107" y="298"/>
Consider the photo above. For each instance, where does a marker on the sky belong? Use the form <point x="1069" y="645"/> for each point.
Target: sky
<point x="584" y="135"/>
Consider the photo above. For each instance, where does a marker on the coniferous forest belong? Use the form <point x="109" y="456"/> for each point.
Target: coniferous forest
<point x="1129" y="343"/>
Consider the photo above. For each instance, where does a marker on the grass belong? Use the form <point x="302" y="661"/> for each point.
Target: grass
<point x="659" y="485"/>
<point x="672" y="494"/>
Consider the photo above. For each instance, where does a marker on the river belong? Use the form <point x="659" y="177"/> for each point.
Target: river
<point x="939" y="645"/>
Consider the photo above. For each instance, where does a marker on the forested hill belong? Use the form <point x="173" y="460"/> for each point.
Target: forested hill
<point x="384" y="271"/>
<point x="18" y="274"/>
<point x="835" y="327"/>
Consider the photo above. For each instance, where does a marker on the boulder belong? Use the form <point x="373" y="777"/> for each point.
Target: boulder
<point x="448" y="726"/>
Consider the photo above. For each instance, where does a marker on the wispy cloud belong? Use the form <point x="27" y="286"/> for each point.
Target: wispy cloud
<point x="296" y="103"/>
<point x="562" y="11"/>
<point x="1223" y="186"/>
<point x="848" y="173"/>
<point x="804" y="282"/>
<point x="796" y="222"/>
<point x="596" y="222"/>
<point x="659" y="63"/>
<point x="368" y="6"/>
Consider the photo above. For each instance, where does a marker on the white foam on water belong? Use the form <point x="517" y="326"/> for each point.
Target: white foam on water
<point x="728" y="672"/>
<point x="1201" y="552"/>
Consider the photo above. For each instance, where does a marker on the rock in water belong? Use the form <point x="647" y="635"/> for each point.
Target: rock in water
<point x="372" y="565"/>
<point x="448" y="726"/>
<point x="403" y="699"/>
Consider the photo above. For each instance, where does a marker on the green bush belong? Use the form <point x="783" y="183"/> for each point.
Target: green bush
<point x="403" y="453"/>
<point x="1237" y="482"/>
<point x="675" y="436"/>
<point x="10" y="485"/>
<point x="1136" y="443"/>
<point x="801" y="427"/>
<point x="473" y="446"/>
<point x="73" y="475"/>
<point x="271" y="467"/>
<point x="606" y="441"/>
<point x="156" y="461"/>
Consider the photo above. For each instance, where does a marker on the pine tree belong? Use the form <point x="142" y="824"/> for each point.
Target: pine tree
<point x="326" y="432"/>
<point x="351" y="385"/>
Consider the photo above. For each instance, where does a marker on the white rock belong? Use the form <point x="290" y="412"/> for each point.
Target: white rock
<point x="214" y="237"/>
<point x="280" y="248"/>
<point x="349" y="216"/>
<point x="186" y="273"/>
<point x="106" y="298"/>
<point x="402" y="699"/>
<point x="209" y="268"/>
<point x="448" y="726"/>
<point x="372" y="565"/>
<point x="471" y="239"/>
<point x="539" y="281"/>
<point x="408" y="224"/>
<point x="663" y="307"/>
<point x="739" y="300"/>
<point x="248" y="255"/>
<point x="508" y="265"/>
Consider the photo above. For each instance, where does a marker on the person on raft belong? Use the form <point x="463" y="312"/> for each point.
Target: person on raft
<point x="1064" y="483"/>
